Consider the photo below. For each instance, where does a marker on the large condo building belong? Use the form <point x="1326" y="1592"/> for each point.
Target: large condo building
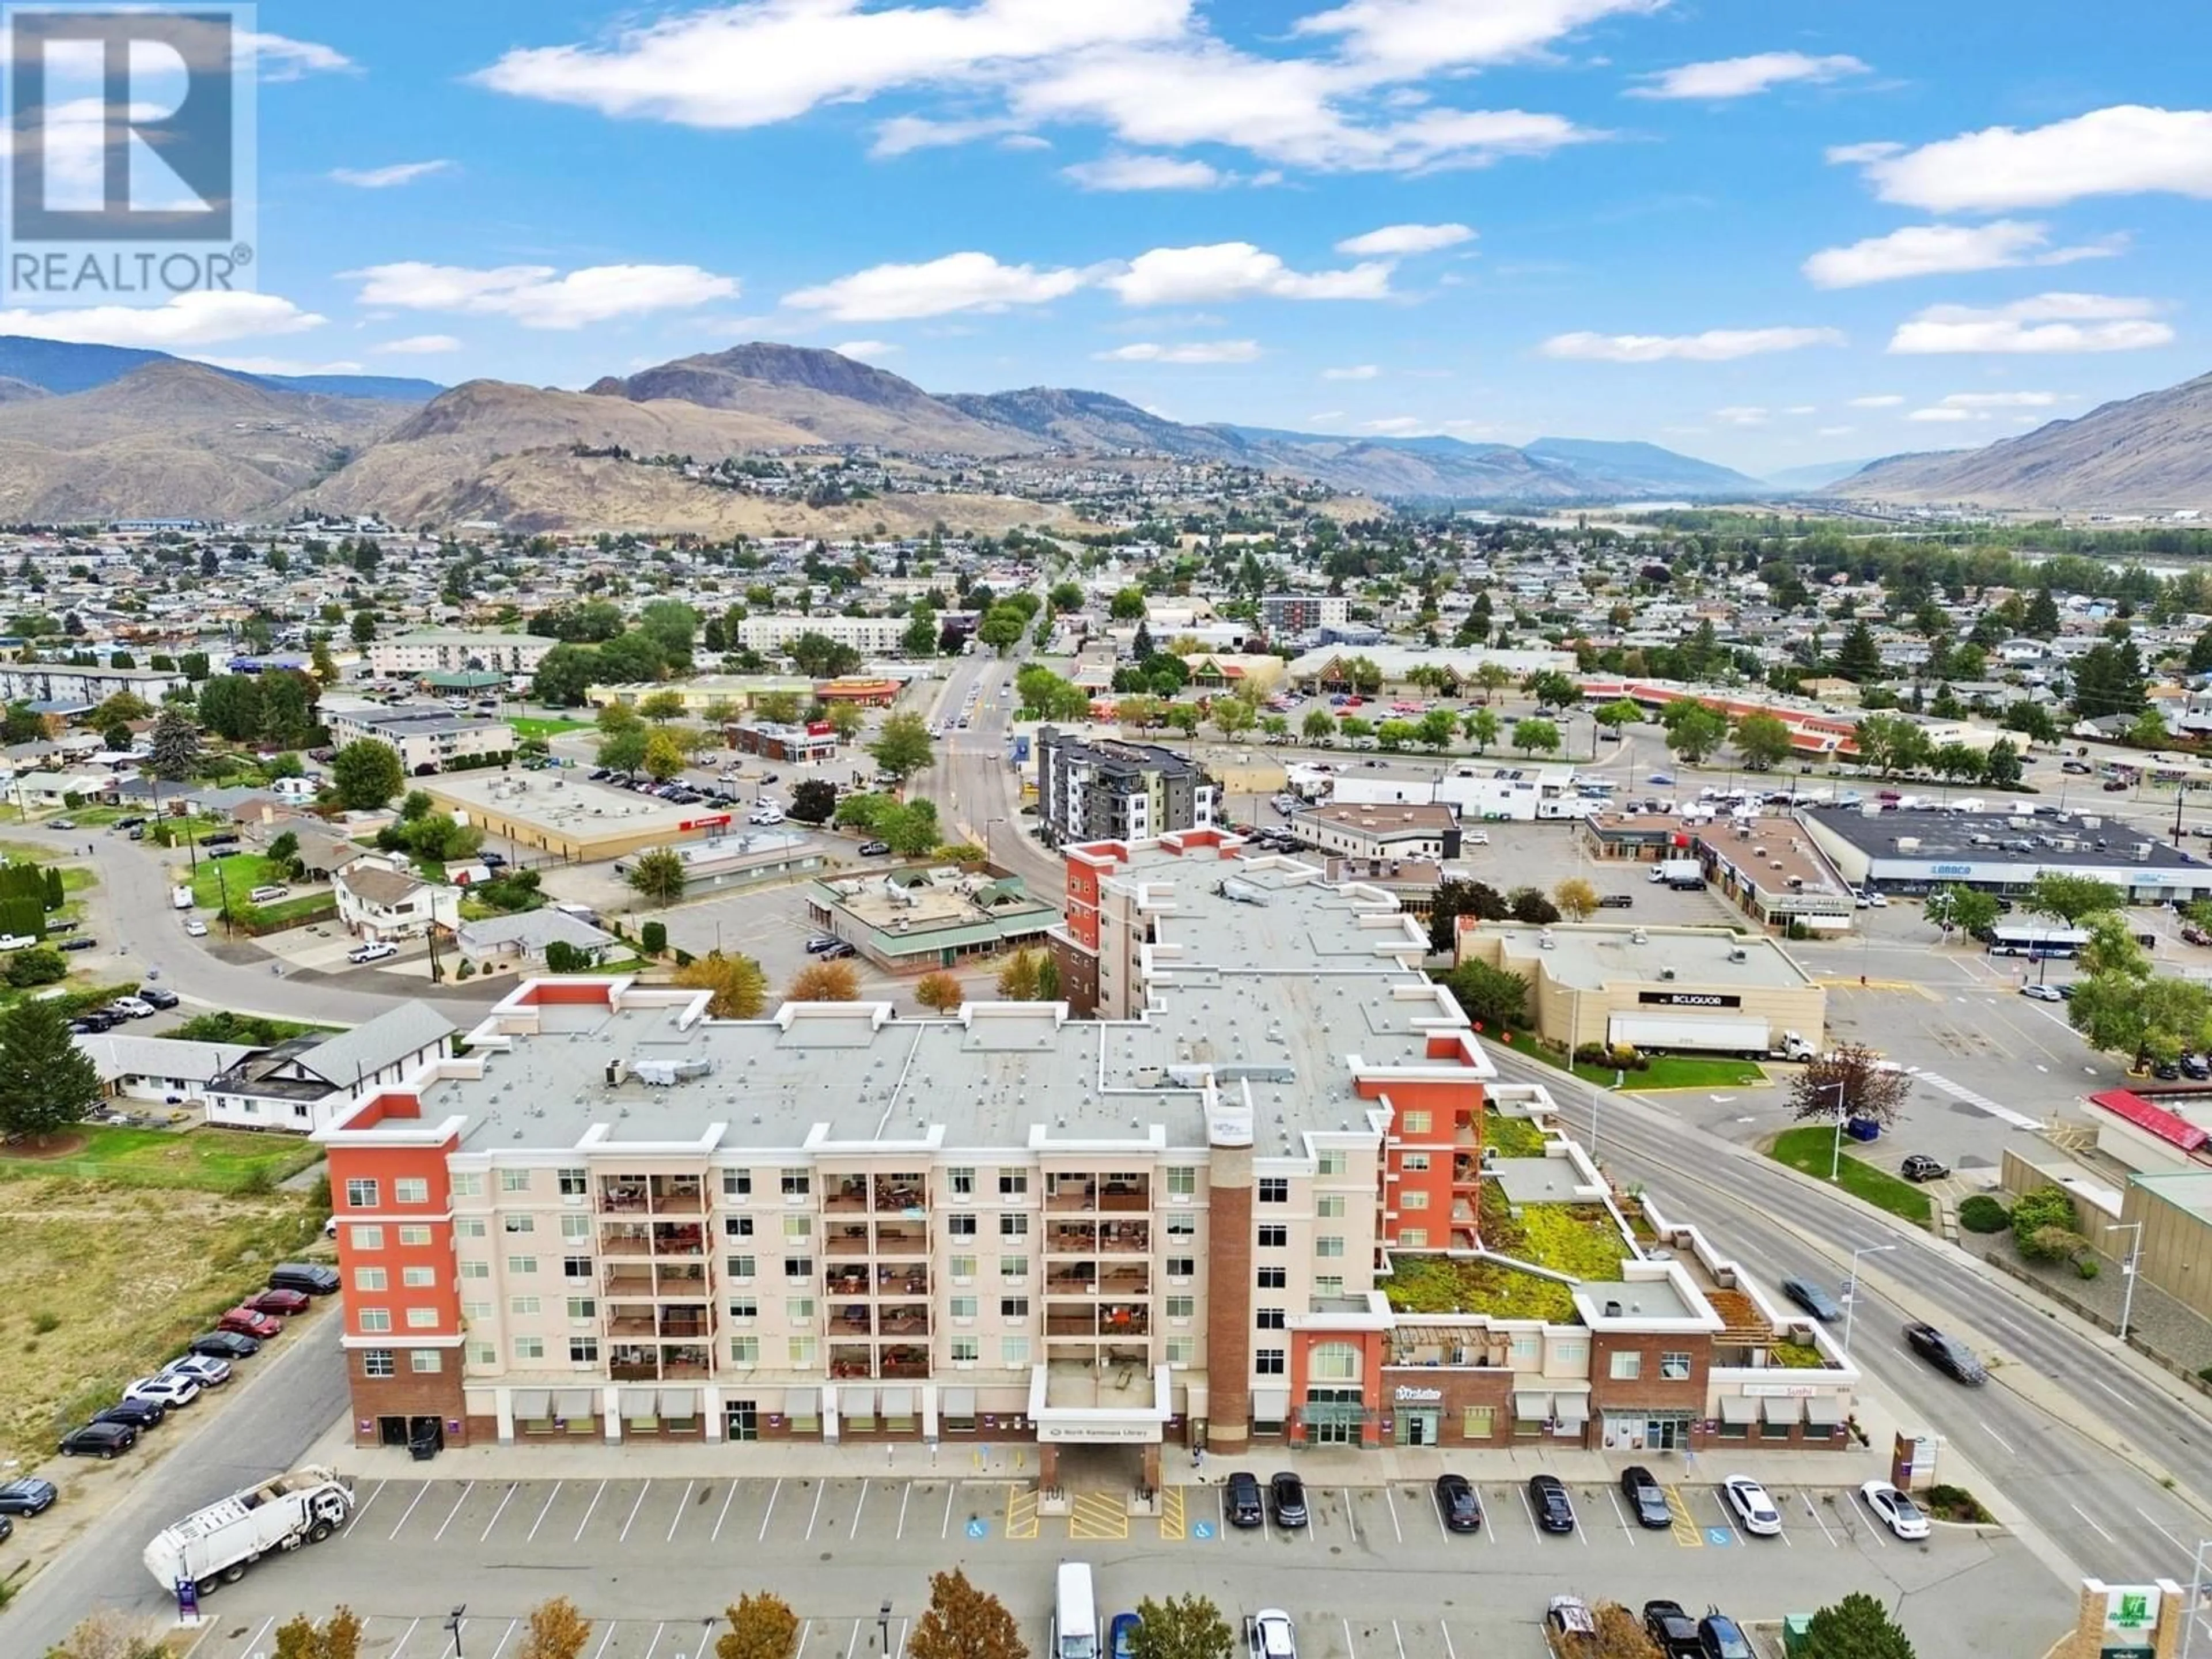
<point x="1185" y="1220"/>
<point x="1114" y="791"/>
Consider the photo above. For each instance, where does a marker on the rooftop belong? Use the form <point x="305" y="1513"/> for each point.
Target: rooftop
<point x="2088" y="840"/>
<point x="565" y="803"/>
<point x="1593" y="955"/>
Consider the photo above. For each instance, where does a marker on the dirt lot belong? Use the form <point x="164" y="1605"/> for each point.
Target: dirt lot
<point x="101" y="1284"/>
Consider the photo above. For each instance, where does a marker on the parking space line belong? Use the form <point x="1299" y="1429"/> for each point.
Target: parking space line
<point x="815" y="1514"/>
<point x="654" y="1644"/>
<point x="512" y="1487"/>
<point x="363" y="1510"/>
<point x="1620" y="1515"/>
<point x="506" y="1638"/>
<point x="1398" y="1637"/>
<point x="1442" y="1630"/>
<point x="806" y="1630"/>
<point x="715" y="1537"/>
<point x="771" y="1515"/>
<point x="1728" y="1516"/>
<point x="1350" y="1647"/>
<point x="1350" y="1520"/>
<point x="1021" y="1513"/>
<point x="543" y="1513"/>
<point x="636" y="1504"/>
<point x="1391" y="1500"/>
<point x="905" y="1493"/>
<point x="407" y="1636"/>
<point x="852" y="1640"/>
<point x="1813" y="1510"/>
<point x="468" y="1488"/>
<point x="951" y="1491"/>
<point x="1528" y="1510"/>
<point x="599" y="1652"/>
<point x="682" y="1503"/>
<point x="588" y="1509"/>
<point x="858" y="1510"/>
<point x="419" y="1497"/>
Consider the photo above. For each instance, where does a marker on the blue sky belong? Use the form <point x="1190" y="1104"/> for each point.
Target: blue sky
<point x="1765" y="233"/>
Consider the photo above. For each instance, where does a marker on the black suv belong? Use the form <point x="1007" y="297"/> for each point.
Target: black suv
<point x="1946" y="1354"/>
<point x="1548" y="1497"/>
<point x="1242" y="1499"/>
<point x="1646" y="1497"/>
<point x="1672" y="1630"/>
<point x="1457" y="1503"/>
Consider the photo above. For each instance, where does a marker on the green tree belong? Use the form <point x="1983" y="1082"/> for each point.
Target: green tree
<point x="761" y="1626"/>
<point x="46" y="1082"/>
<point x="1319" y="723"/>
<point x="813" y="800"/>
<point x="1966" y="909"/>
<point x="920" y="639"/>
<point x="624" y="751"/>
<point x="36" y="964"/>
<point x="1437" y="727"/>
<point x="1762" y="740"/>
<point x="1017" y="978"/>
<point x="664" y="756"/>
<point x="415" y="807"/>
<point x="1533" y="735"/>
<point x="363" y="626"/>
<point x="1127" y="605"/>
<point x="1455" y="898"/>
<point x="658" y="875"/>
<point x="563" y="675"/>
<point x="1481" y="727"/>
<point x="909" y="829"/>
<point x="1858" y="657"/>
<point x="2068" y="898"/>
<point x="1492" y="997"/>
<point x="2108" y="679"/>
<point x="2041" y="621"/>
<point x="1576" y="898"/>
<point x="903" y="746"/>
<point x="1856" y="1627"/>
<point x="365" y="775"/>
<point x="739" y="988"/>
<point x="1181" y="1627"/>
<point x="1623" y="712"/>
<point x="820" y="658"/>
<point x="1693" y="730"/>
<point x="666" y="705"/>
<point x="2000" y="766"/>
<point x="1552" y="690"/>
<point x="1002" y="627"/>
<point x="962" y="1622"/>
<point x="1491" y="677"/>
<point x="1064" y="597"/>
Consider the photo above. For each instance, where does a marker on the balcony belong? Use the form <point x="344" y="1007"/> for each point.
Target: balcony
<point x="852" y="1359"/>
<point x="678" y="1238"/>
<point x="1068" y="1238"/>
<point x="1126" y="1237"/>
<point x="905" y="1360"/>
<point x="689" y="1322"/>
<point x="1110" y="1319"/>
<point x="640" y="1280"/>
<point x="1079" y="1280"/>
<point x="903" y="1281"/>
<point x="851" y="1319"/>
<point x="1076" y="1194"/>
<point x="1126" y="1193"/>
<point x="898" y="1194"/>
<point x="628" y="1363"/>
<point x="653" y="1195"/>
<point x="903" y="1319"/>
<point x="626" y="1238"/>
<point x="902" y="1238"/>
<point x="847" y="1239"/>
<point x="847" y="1281"/>
<point x="846" y="1195"/>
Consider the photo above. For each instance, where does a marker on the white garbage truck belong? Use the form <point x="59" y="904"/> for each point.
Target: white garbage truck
<point x="214" y="1545"/>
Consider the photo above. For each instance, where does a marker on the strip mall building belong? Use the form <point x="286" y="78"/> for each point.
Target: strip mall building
<point x="1184" y="1220"/>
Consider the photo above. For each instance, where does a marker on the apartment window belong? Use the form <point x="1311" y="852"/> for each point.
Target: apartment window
<point x="1274" y="1278"/>
<point x="573" y="1183"/>
<point x="1415" y="1162"/>
<point x="737" y="1183"/>
<point x="1013" y="1226"/>
<point x="367" y="1238"/>
<point x="418" y="1279"/>
<point x="421" y="1319"/>
<point x="1330" y="1163"/>
<point x="740" y="1266"/>
<point x="583" y="1350"/>
<point x="963" y="1307"/>
<point x="376" y="1318"/>
<point x="482" y="1353"/>
<point x="799" y="1310"/>
<point x="1571" y="1353"/>
<point x="1013" y="1183"/>
<point x="964" y="1269"/>
<point x="1181" y="1267"/>
<point x="411" y="1189"/>
<point x="744" y="1350"/>
<point x="1013" y="1266"/>
<point x="1329" y="1244"/>
<point x="963" y="1182"/>
<point x="1336" y="1362"/>
<point x="1181" y="1349"/>
<point x="745" y="1307"/>
<point x="527" y="1348"/>
<point x="1414" y="1123"/>
<point x="522" y="1264"/>
<point x="466" y="1183"/>
<point x="425" y="1360"/>
<point x="523" y="1307"/>
<point x="797" y="1183"/>
<point x="1527" y="1345"/>
<point x="416" y="1235"/>
<point x="476" y="1270"/>
<point x="1274" y="1238"/>
<point x="1628" y="1366"/>
<point x="799" y="1226"/>
<point x="1329" y="1206"/>
<point x="961" y="1226"/>
<point x="1013" y="1351"/>
<point x="967" y="1350"/>
<point x="1271" y="1362"/>
<point x="582" y="1307"/>
<point x="800" y="1351"/>
<point x="1013" y="1307"/>
<point x="1274" y="1189"/>
<point x="1181" y="1307"/>
<point x="369" y="1278"/>
<point x="575" y="1266"/>
<point x="1413" y="1238"/>
<point x="514" y="1181"/>
<point x="575" y="1226"/>
<point x="1412" y="1199"/>
<point x="1675" y="1367"/>
<point x="1182" y="1182"/>
<point x="1181" y="1228"/>
<point x="1270" y="1319"/>
<point x="361" y="1194"/>
<point x="469" y="1226"/>
<point x="519" y="1224"/>
<point x="1329" y="1285"/>
<point x="376" y="1362"/>
<point x="737" y="1226"/>
<point x="798" y="1266"/>
<point x="475" y="1313"/>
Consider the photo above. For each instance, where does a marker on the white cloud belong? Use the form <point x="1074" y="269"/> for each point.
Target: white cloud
<point x="1857" y="154"/>
<point x="1742" y="415"/>
<point x="1327" y="415"/>
<point x="1144" y="172"/>
<point x="1835" y="431"/>
<point x="2044" y="323"/>
<point x="1196" y="351"/>
<point x="399" y="173"/>
<point x="537" y="296"/>
<point x="250" y="365"/>
<point x="1936" y="250"/>
<point x="1024" y="141"/>
<point x="1404" y="38"/>
<point x="865" y="351"/>
<point x="1399" y="425"/>
<point x="2126" y="149"/>
<point x="1879" y="400"/>
<point x="1802" y="409"/>
<point x="280" y="57"/>
<point x="937" y="287"/>
<point x="188" y="320"/>
<point x="2001" y="399"/>
<point x="1392" y="241"/>
<point x="1713" y="346"/>
<point x="1357" y="372"/>
<point x="1940" y="413"/>
<point x="418" y="345"/>
<point x="1238" y="270"/>
<point x="1741" y="78"/>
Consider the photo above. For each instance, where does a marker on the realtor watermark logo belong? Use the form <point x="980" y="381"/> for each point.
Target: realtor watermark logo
<point x="130" y="176"/>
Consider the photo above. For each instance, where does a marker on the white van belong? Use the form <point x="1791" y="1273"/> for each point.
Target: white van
<point x="1075" y="1614"/>
<point x="181" y="898"/>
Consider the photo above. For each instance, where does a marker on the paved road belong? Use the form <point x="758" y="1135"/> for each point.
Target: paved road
<point x="2075" y="1432"/>
<point x="975" y="789"/>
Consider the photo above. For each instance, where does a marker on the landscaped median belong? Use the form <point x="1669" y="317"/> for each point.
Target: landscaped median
<point x="1812" y="1150"/>
<point x="1657" y="1072"/>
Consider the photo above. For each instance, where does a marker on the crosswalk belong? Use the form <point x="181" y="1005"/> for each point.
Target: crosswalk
<point x="1980" y="1102"/>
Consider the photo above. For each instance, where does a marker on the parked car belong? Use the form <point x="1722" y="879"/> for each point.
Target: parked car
<point x="283" y="1302"/>
<point x="159" y="996"/>
<point x="1719" y="1637"/>
<point x="1616" y="900"/>
<point x="195" y="928"/>
<point x="821" y="942"/>
<point x="2041" y="993"/>
<point x="312" y="1277"/>
<point x="208" y="1370"/>
<point x="875" y="849"/>
<point x="1898" y="1512"/>
<point x="80" y="942"/>
<point x="139" y="1413"/>
<point x="1647" y="1499"/>
<point x="171" y="1391"/>
<point x="250" y="1322"/>
<point x="838" y="951"/>
<point x="1672" y="1630"/>
<point x="99" y="1440"/>
<point x="1755" y="1512"/>
<point x="132" y="1008"/>
<point x="65" y="824"/>
<point x="1122" y="1643"/>
<point x="1241" y="1498"/>
<point x="1286" y="1496"/>
<point x="2079" y="768"/>
<point x="1458" y="1504"/>
<point x="378" y="952"/>
<point x="1568" y="1625"/>
<point x="1548" y="1497"/>
<point x="1919" y="1166"/>
<point x="1813" y="1299"/>
<point x="1946" y="1354"/>
<point x="27" y="1496"/>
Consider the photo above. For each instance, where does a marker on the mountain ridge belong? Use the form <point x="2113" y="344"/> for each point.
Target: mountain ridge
<point x="62" y="367"/>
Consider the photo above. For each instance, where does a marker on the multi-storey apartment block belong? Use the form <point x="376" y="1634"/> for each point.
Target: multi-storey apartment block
<point x="1115" y="791"/>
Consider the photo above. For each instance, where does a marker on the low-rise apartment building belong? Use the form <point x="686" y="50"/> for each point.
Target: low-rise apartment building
<point x="454" y="650"/>
<point x="427" y="740"/>
<point x="871" y="636"/>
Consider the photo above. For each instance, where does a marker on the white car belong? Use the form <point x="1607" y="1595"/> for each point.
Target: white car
<point x="1899" y="1513"/>
<point x="195" y="928"/>
<point x="1877" y="901"/>
<point x="1270" y="1634"/>
<point x="1754" y="1511"/>
<point x="1475" y="838"/>
<point x="131" y="1006"/>
<point x="208" y="1370"/>
<point x="169" y="1390"/>
<point x="376" y="952"/>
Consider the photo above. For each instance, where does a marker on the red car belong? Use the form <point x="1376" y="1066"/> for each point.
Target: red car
<point x="285" y="1303"/>
<point x="246" y="1322"/>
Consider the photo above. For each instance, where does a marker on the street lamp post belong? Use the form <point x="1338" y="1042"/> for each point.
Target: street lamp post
<point x="884" y="1625"/>
<point x="2128" y="1270"/>
<point x="989" y="824"/>
<point x="1851" y="1289"/>
<point x="454" y="1627"/>
<point x="1836" y="1162"/>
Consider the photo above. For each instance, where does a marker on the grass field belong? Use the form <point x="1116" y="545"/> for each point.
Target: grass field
<point x="210" y="1160"/>
<point x="240" y="876"/>
<point x="532" y="727"/>
<point x="1810" y="1151"/>
<point x="1665" y="1071"/>
<point x="101" y="1284"/>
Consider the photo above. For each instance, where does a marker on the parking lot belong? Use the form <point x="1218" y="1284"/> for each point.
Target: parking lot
<point x="652" y="1560"/>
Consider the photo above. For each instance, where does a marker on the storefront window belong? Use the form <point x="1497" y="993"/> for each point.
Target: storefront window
<point x="1479" y="1422"/>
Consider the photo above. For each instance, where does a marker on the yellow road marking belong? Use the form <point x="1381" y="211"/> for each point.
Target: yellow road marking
<point x="1021" y="1513"/>
<point x="1174" y="1526"/>
<point x="1098" y="1516"/>
<point x="1688" y="1532"/>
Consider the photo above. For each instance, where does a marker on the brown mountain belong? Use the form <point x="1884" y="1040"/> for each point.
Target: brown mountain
<point x="2153" y="451"/>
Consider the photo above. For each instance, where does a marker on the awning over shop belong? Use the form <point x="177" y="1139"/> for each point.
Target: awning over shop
<point x="575" y="1402"/>
<point x="533" y="1405"/>
<point x="898" y="1402"/>
<point x="638" y="1404"/>
<point x="1571" y="1408"/>
<point x="856" y="1402"/>
<point x="1531" y="1407"/>
<point x="957" y="1403"/>
<point x="1271" y="1405"/>
<point x="1824" y="1410"/>
<point x="1775" y="1409"/>
<point x="679" y="1402"/>
<point x="1734" y="1408"/>
<point x="802" y="1402"/>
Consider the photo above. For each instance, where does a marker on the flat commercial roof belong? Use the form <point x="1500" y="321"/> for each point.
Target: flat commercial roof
<point x="2062" y="839"/>
<point x="1594" y="955"/>
<point x="562" y="802"/>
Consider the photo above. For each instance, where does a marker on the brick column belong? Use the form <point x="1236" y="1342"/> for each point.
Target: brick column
<point x="1229" y="1297"/>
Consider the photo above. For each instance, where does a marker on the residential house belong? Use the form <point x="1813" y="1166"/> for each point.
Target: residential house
<point x="380" y="898"/>
<point x="308" y="1083"/>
